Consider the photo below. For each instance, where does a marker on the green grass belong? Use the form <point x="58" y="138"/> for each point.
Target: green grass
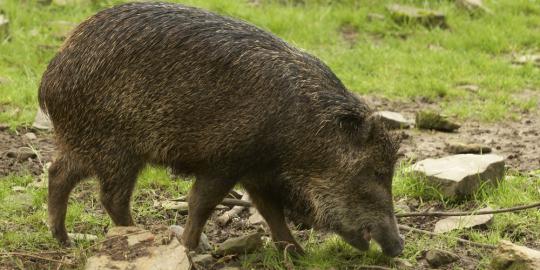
<point x="387" y="59"/>
<point x="407" y="62"/>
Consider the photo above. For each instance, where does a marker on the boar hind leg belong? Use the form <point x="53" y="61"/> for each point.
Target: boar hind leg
<point x="117" y="180"/>
<point x="66" y="171"/>
<point x="272" y="212"/>
<point x="205" y="194"/>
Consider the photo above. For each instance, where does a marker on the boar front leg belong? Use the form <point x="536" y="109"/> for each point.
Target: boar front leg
<point x="205" y="194"/>
<point x="272" y="211"/>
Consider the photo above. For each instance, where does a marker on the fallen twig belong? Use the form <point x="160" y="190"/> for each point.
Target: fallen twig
<point x="236" y="202"/>
<point x="475" y="213"/>
<point x="461" y="240"/>
<point x="234" y="212"/>
<point x="20" y="254"/>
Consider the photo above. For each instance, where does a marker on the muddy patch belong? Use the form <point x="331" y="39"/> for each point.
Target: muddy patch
<point x="37" y="147"/>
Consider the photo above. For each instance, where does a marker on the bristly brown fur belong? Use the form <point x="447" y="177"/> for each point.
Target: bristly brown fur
<point x="224" y="101"/>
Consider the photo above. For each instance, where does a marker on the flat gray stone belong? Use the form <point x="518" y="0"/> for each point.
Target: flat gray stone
<point x="141" y="252"/>
<point x="509" y="256"/>
<point x="240" y="245"/>
<point x="394" y="120"/>
<point x="454" y="223"/>
<point x="460" y="175"/>
<point x="408" y="14"/>
<point x="42" y="121"/>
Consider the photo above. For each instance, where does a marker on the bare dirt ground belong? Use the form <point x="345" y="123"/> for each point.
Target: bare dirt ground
<point x="518" y="141"/>
<point x="13" y="142"/>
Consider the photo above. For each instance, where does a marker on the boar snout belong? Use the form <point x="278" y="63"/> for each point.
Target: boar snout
<point x="388" y="237"/>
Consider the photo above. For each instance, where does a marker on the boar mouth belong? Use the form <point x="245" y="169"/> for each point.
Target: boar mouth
<point x="361" y="240"/>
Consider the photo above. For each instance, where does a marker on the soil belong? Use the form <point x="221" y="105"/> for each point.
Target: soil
<point x="12" y="141"/>
<point x="518" y="141"/>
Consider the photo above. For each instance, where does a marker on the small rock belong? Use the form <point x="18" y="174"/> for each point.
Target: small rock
<point x="461" y="175"/>
<point x="255" y="217"/>
<point x="509" y="256"/>
<point x="42" y="121"/>
<point x="407" y="14"/>
<point x="4" y="26"/>
<point x="435" y="121"/>
<point x="181" y="207"/>
<point x="454" y="223"/>
<point x="22" y="154"/>
<point x="18" y="188"/>
<point x="527" y="59"/>
<point x="438" y="257"/>
<point x="375" y="17"/>
<point x="203" y="260"/>
<point x="401" y="207"/>
<point x="394" y="120"/>
<point x="3" y="127"/>
<point x="463" y="148"/>
<point x="472" y="5"/>
<point x="82" y="236"/>
<point x="240" y="245"/>
<point x="30" y="136"/>
<point x="204" y="244"/>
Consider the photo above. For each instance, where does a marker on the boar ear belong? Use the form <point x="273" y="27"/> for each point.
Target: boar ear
<point x="355" y="124"/>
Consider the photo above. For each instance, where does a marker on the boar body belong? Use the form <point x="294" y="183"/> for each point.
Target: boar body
<point x="226" y="102"/>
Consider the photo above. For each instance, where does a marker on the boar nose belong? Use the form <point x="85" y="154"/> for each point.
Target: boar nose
<point x="396" y="249"/>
